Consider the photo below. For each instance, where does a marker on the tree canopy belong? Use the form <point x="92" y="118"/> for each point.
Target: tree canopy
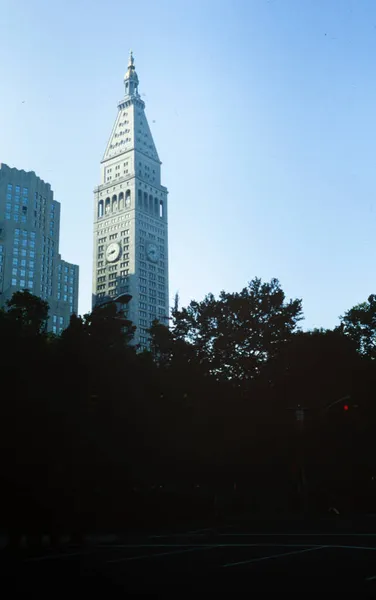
<point x="235" y="335"/>
<point x="359" y="324"/>
<point x="88" y="417"/>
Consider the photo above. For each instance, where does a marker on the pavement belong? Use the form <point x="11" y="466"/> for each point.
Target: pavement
<point x="252" y="556"/>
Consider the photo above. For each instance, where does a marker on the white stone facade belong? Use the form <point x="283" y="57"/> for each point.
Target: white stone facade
<point x="130" y="217"/>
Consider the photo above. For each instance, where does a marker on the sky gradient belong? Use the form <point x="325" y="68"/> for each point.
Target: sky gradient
<point x="263" y="114"/>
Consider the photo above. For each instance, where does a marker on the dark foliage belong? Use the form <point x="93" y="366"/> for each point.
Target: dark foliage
<point x="90" y="429"/>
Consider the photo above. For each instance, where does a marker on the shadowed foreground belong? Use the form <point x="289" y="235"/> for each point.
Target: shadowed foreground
<point x="248" y="555"/>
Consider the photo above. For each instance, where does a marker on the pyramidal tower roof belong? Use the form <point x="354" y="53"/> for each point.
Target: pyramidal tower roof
<point x="131" y="130"/>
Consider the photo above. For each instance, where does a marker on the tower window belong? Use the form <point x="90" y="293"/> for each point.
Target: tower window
<point x="100" y="209"/>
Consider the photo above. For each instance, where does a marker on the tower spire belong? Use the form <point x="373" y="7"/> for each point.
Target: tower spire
<point x="130" y="78"/>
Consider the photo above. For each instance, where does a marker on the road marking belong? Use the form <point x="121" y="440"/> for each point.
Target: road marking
<point x="253" y="534"/>
<point x="192" y="547"/>
<point x="171" y="535"/>
<point x="131" y="546"/>
<point x="196" y="548"/>
<point x="194" y="532"/>
<point x="52" y="556"/>
<point x="198" y="530"/>
<point x="351" y="547"/>
<point x="237" y="545"/>
<point x="253" y="560"/>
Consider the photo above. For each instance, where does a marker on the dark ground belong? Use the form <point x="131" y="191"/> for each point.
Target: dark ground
<point x="244" y="555"/>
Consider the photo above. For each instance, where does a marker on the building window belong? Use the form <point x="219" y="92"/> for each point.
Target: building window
<point x="9" y="187"/>
<point x="18" y="189"/>
<point x="54" y="329"/>
<point x="22" y="283"/>
<point x="15" y="262"/>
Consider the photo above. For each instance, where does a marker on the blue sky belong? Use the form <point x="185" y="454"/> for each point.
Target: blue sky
<point x="264" y="119"/>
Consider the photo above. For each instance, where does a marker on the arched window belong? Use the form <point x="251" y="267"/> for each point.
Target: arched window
<point x="114" y="203"/>
<point x="139" y="198"/>
<point x="128" y="198"/>
<point x="161" y="211"/>
<point x="156" y="206"/>
<point x="145" y="201"/>
<point x="107" y="206"/>
<point x="121" y="201"/>
<point x="100" y="209"/>
<point x="151" y="204"/>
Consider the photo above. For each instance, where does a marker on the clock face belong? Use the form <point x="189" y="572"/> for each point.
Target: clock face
<point x="152" y="252"/>
<point x="112" y="252"/>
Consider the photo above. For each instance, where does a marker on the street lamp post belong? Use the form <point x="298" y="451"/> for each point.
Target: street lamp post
<point x="121" y="299"/>
<point x="300" y="413"/>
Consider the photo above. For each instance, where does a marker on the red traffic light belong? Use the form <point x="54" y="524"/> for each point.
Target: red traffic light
<point x="346" y="407"/>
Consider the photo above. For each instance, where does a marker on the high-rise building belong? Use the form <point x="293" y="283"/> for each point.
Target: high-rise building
<point x="29" y="246"/>
<point x="130" y="217"/>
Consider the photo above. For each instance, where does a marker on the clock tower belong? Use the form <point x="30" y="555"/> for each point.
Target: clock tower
<point x="130" y="217"/>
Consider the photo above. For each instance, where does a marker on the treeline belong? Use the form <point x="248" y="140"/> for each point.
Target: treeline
<point x="232" y="401"/>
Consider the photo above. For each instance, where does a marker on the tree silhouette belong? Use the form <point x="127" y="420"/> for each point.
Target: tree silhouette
<point x="359" y="323"/>
<point x="237" y="334"/>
